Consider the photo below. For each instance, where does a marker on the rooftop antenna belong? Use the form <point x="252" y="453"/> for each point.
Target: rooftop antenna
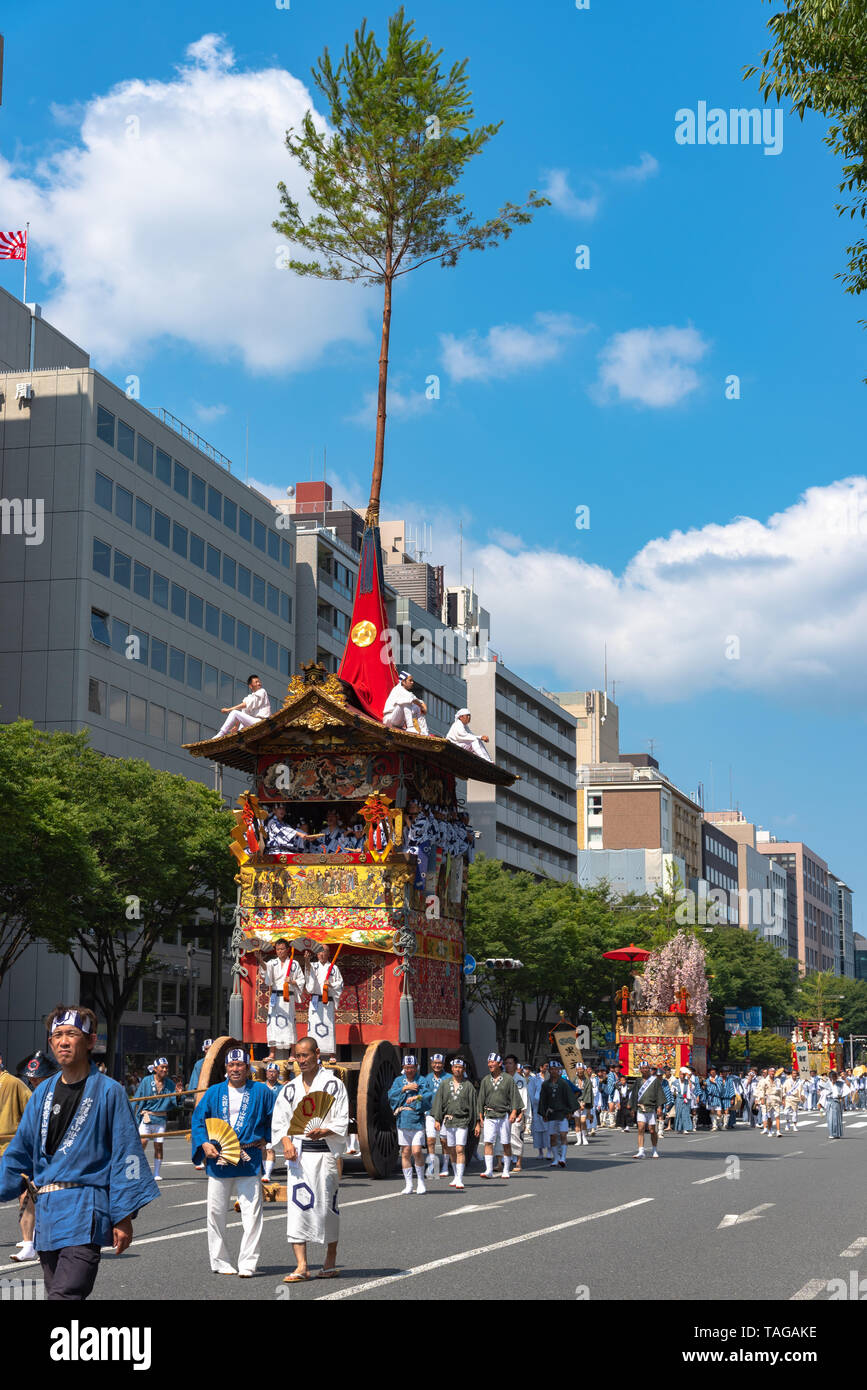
<point x="651" y="743"/>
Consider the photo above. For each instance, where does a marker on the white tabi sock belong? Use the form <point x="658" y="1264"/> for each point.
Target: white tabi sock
<point x="269" y="1168"/>
<point x="158" y="1163"/>
<point x="489" y="1163"/>
<point x="419" y="1172"/>
<point x="459" y="1171"/>
<point x="444" y="1166"/>
<point x="407" y="1177"/>
<point x="507" y="1163"/>
<point x="561" y="1153"/>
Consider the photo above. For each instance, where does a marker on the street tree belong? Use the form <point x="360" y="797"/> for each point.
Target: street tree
<point x="384" y="178"/>
<point x="819" y="61"/>
<point x="744" y="972"/>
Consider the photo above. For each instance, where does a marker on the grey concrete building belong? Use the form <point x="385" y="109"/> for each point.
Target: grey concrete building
<point x="532" y="824"/>
<point x="841" y="912"/>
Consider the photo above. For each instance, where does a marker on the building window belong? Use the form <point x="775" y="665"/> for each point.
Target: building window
<point x="141" y="580"/>
<point x="196" y="610"/>
<point x="243" y="637"/>
<point x="197" y="551"/>
<point x="175" y="729"/>
<point x="158" y="721"/>
<point x="259" y="536"/>
<point x="179" y="540"/>
<point x="215" y="503"/>
<point x="227" y="629"/>
<point x="273" y="600"/>
<point x="257" y="646"/>
<point x="159" y="653"/>
<point x="177" y="664"/>
<point x="245" y="525"/>
<point x="285" y="660"/>
<point x="212" y="620"/>
<point x="258" y="589"/>
<point x="230" y="514"/>
<point x="229" y="571"/>
<point x="285" y="607"/>
<point x="192" y="731"/>
<point x="164" y="467"/>
<point x="197" y="491"/>
<point x="97" y="692"/>
<point x="104" y="425"/>
<point x="122" y="569"/>
<point x="182" y="480"/>
<point x="138" y="714"/>
<point x="144" y="453"/>
<point x="102" y="557"/>
<point x="211" y="679"/>
<point x="213" y="565"/>
<point x="272" y="653"/>
<point x="227" y="689"/>
<point x="179" y="601"/>
<point x="161" y="590"/>
<point x="162" y="528"/>
<point x="244" y="578"/>
<point x="143" y="517"/>
<point x="125" y="440"/>
<point x="119" y="634"/>
<point x="285" y="553"/>
<point x="123" y="504"/>
<point x="117" y="705"/>
<point x="194" y="676"/>
<point x="99" y="627"/>
<point x="102" y="491"/>
<point x="274" y="546"/>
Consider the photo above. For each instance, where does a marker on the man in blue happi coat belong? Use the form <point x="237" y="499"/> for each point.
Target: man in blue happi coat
<point x="197" y="1069"/>
<point x="78" y="1143"/>
<point x="247" y="1107"/>
<point x="158" y="1105"/>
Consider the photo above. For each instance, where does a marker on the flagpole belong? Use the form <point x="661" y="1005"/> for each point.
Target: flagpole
<point x="26" y="254"/>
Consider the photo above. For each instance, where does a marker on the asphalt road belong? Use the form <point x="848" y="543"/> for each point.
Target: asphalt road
<point x="609" y="1227"/>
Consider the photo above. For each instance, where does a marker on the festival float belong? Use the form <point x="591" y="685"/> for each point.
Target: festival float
<point x="662" y="1020"/>
<point x="394" y="919"/>
<point x="815" y="1047"/>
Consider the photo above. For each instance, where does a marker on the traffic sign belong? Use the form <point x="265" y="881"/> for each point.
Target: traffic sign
<point x="469" y="965"/>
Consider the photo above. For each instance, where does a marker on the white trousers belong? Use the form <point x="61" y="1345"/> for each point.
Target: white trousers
<point x="401" y="717"/>
<point x="237" y="719"/>
<point x="249" y="1191"/>
<point x="280" y="1030"/>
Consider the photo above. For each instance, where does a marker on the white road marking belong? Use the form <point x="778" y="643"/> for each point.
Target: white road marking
<point x="716" y="1177"/>
<point x="860" y="1124"/>
<point x="754" y="1214"/>
<point x="793" y="1153"/>
<point x="854" y="1249"/>
<point x="201" y="1202"/>
<point x="484" y="1206"/>
<point x="809" y="1290"/>
<point x="479" y="1250"/>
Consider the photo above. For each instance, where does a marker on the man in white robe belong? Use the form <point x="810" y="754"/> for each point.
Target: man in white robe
<point x="312" y="1176"/>
<point x="403" y="709"/>
<point x="324" y="983"/>
<point x="461" y="734"/>
<point x="285" y="980"/>
<point x="253" y="708"/>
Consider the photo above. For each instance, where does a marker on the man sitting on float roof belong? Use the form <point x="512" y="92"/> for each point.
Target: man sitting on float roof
<point x="403" y="709"/>
<point x="461" y="734"/>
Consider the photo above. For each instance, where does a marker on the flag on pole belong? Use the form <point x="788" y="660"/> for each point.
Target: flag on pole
<point x="13" y="246"/>
<point x="367" y="665"/>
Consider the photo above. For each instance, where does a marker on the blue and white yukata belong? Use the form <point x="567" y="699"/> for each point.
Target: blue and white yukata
<point x="685" y="1096"/>
<point x="103" y="1175"/>
<point x="248" y="1109"/>
<point x="832" y="1096"/>
<point x="160" y="1106"/>
<point x="312" y="1179"/>
<point x="282" y="838"/>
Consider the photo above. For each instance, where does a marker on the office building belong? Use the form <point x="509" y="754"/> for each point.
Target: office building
<point x="532" y="824"/>
<point x="841" y="912"/>
<point x="719" y="859"/>
<point x="631" y="807"/>
<point x="597" y="725"/>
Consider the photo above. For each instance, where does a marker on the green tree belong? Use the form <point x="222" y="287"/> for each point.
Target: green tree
<point x="767" y="1049"/>
<point x="43" y="833"/>
<point x="384" y="180"/>
<point x="824" y="995"/>
<point x="819" y="61"/>
<point x="152" y="849"/>
<point x="746" y="971"/>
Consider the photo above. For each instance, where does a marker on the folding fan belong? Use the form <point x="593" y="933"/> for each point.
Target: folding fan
<point x="226" y="1139"/>
<point x="309" y="1111"/>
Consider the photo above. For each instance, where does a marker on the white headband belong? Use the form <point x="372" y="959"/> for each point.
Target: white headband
<point x="72" y="1019"/>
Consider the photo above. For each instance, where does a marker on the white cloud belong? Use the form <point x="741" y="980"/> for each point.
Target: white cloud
<point x="400" y="405"/>
<point x="508" y="348"/>
<point x="652" y="366"/>
<point x="557" y="188"/>
<point x="157" y="222"/>
<point x="646" y="167"/>
<point x="209" y="413"/>
<point x="776" y="608"/>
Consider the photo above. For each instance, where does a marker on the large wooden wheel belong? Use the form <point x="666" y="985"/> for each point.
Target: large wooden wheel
<point x="214" y="1065"/>
<point x="377" y="1135"/>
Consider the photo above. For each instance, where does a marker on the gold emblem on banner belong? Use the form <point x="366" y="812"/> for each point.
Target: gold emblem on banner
<point x="363" y="634"/>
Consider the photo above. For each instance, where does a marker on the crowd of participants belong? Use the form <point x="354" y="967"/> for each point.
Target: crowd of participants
<point x="425" y="828"/>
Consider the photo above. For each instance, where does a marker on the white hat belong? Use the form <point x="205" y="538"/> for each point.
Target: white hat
<point x="461" y="713"/>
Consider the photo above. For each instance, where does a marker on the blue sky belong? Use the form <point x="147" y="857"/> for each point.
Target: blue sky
<point x="148" y="171"/>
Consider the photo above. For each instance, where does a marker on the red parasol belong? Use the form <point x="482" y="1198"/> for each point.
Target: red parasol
<point x="630" y="952"/>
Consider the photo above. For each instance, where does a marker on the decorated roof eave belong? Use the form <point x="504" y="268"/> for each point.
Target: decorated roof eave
<point x="315" y="719"/>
